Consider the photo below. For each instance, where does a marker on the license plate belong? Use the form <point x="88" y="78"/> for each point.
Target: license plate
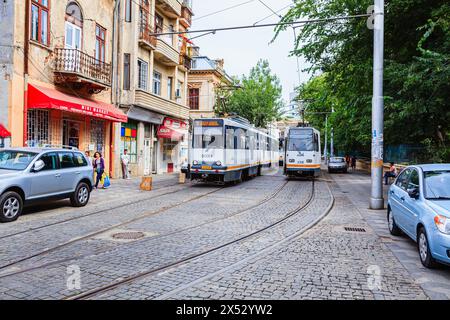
<point x="206" y="168"/>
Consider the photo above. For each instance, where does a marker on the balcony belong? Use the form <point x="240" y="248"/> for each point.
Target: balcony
<point x="166" y="54"/>
<point x="156" y="103"/>
<point x="186" y="15"/>
<point x="185" y="62"/>
<point x="76" y="67"/>
<point x="170" y="7"/>
<point x="146" y="40"/>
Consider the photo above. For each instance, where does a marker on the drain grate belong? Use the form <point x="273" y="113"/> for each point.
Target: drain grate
<point x="128" y="235"/>
<point x="353" y="229"/>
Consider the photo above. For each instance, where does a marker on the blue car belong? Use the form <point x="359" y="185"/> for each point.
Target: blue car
<point x="419" y="206"/>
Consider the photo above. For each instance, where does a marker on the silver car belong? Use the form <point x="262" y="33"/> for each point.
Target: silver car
<point x="36" y="174"/>
<point x="337" y="164"/>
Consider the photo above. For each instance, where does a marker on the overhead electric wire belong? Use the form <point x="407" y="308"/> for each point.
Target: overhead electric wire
<point x="276" y="13"/>
<point x="265" y="25"/>
<point x="223" y="10"/>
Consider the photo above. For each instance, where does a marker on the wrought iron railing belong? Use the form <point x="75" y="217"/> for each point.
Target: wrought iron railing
<point x="77" y="62"/>
<point x="186" y="61"/>
<point x="145" y="32"/>
<point x="186" y="14"/>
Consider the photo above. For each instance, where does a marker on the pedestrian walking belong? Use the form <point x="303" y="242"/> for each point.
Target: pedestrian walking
<point x="392" y="173"/>
<point x="99" y="168"/>
<point x="90" y="159"/>
<point x="347" y="159"/>
<point x="353" y="160"/>
<point x="125" y="160"/>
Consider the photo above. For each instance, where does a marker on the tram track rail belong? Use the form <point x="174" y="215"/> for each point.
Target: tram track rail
<point x="97" y="291"/>
<point x="91" y="235"/>
<point x="93" y="213"/>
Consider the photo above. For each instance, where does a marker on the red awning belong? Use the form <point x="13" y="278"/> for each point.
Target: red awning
<point x="46" y="98"/>
<point x="168" y="133"/>
<point x="4" y="133"/>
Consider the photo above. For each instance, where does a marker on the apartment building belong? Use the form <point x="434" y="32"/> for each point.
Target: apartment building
<point x="55" y="82"/>
<point x="152" y="88"/>
<point x="206" y="77"/>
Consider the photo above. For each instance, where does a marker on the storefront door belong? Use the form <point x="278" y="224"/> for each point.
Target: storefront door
<point x="147" y="156"/>
<point x="71" y="133"/>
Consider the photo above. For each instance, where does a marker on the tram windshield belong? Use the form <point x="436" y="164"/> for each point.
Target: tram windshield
<point x="208" y="135"/>
<point x="301" y="140"/>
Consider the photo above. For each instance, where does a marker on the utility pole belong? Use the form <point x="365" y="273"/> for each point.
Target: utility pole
<point x="325" y="150"/>
<point x="377" y="199"/>
<point x="332" y="138"/>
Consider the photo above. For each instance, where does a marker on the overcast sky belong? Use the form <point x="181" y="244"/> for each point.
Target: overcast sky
<point x="241" y="49"/>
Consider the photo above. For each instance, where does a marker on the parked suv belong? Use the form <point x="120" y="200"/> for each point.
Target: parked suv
<point x="29" y="174"/>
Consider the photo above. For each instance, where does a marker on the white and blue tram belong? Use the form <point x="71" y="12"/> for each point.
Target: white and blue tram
<point x="302" y="152"/>
<point x="231" y="149"/>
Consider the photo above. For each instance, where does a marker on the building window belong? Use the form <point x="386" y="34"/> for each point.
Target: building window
<point x="98" y="134"/>
<point x="128" y="9"/>
<point x="143" y="74"/>
<point x="129" y="140"/>
<point x="179" y="92"/>
<point x="38" y="128"/>
<point x="157" y="83"/>
<point x="159" y="24"/>
<point x="100" y="39"/>
<point x="126" y="71"/>
<point x="40" y="23"/>
<point x="194" y="99"/>
<point x="169" y="88"/>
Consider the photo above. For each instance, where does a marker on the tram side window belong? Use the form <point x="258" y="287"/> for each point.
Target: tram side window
<point x="230" y="141"/>
<point x="316" y="142"/>
<point x="240" y="135"/>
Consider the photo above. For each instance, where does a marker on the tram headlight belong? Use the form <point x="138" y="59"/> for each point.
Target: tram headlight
<point x="218" y="163"/>
<point x="195" y="162"/>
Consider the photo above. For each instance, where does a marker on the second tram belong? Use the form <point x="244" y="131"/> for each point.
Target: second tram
<point x="302" y="152"/>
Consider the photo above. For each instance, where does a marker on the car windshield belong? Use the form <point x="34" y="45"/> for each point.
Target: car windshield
<point x="15" y="160"/>
<point x="437" y="185"/>
<point x="337" y="160"/>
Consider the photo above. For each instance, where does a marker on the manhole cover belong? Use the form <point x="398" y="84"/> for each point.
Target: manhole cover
<point x="128" y="235"/>
<point x="352" y="229"/>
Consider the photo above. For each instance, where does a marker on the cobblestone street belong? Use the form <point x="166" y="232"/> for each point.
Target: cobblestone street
<point x="266" y="238"/>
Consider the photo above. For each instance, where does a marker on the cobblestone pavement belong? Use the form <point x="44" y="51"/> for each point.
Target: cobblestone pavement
<point x="327" y="262"/>
<point x="267" y="238"/>
<point x="436" y="282"/>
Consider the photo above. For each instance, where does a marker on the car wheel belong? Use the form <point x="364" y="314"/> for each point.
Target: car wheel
<point x="11" y="206"/>
<point x="393" y="228"/>
<point x="80" y="197"/>
<point x="424" y="249"/>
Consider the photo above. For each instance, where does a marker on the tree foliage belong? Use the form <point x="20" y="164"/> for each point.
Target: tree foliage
<point x="417" y="72"/>
<point x="258" y="97"/>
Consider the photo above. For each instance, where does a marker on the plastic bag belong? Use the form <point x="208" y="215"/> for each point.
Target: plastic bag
<point x="106" y="181"/>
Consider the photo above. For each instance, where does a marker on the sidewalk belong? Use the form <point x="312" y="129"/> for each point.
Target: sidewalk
<point x="356" y="186"/>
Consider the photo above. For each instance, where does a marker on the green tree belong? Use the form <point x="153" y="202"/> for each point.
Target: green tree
<point x="417" y="71"/>
<point x="257" y="99"/>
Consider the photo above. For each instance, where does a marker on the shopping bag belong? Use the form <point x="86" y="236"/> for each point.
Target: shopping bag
<point x="106" y="181"/>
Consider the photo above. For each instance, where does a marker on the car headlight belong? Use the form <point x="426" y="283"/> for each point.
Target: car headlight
<point x="442" y="223"/>
<point x="219" y="163"/>
<point x="195" y="162"/>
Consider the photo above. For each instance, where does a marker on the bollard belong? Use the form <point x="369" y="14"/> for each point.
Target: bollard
<point x="146" y="184"/>
<point x="182" y="179"/>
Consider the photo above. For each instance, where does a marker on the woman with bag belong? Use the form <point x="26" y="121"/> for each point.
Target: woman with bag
<point x="99" y="167"/>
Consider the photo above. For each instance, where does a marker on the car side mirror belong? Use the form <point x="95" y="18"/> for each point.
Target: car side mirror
<point x="38" y="166"/>
<point x="414" y="193"/>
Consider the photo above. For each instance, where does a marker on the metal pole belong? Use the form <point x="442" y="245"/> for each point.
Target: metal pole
<point x="325" y="150"/>
<point x="376" y="199"/>
<point x="332" y="138"/>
